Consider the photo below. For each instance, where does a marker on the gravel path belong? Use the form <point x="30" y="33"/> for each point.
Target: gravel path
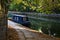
<point x="25" y="33"/>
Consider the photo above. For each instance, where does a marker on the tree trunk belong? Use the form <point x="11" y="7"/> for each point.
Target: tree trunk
<point x="3" y="21"/>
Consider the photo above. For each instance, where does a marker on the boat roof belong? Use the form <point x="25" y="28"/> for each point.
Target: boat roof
<point x="20" y="15"/>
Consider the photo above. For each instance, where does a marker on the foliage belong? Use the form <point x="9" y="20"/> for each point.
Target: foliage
<point x="46" y="26"/>
<point x="44" y="6"/>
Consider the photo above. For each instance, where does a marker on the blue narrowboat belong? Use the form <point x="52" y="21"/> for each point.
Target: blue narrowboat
<point x="22" y="19"/>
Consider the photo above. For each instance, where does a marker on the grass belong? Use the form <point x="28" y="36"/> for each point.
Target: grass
<point x="54" y="27"/>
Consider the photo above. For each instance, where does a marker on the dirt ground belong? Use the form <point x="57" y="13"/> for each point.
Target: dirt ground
<point x="13" y="35"/>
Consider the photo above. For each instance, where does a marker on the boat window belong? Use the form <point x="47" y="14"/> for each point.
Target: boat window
<point x="17" y="18"/>
<point x="24" y="18"/>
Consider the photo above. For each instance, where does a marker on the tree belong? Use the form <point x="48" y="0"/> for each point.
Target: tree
<point x="3" y="19"/>
<point x="43" y="6"/>
<point x="46" y="6"/>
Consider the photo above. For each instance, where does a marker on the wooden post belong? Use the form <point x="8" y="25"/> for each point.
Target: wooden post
<point x="3" y="20"/>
